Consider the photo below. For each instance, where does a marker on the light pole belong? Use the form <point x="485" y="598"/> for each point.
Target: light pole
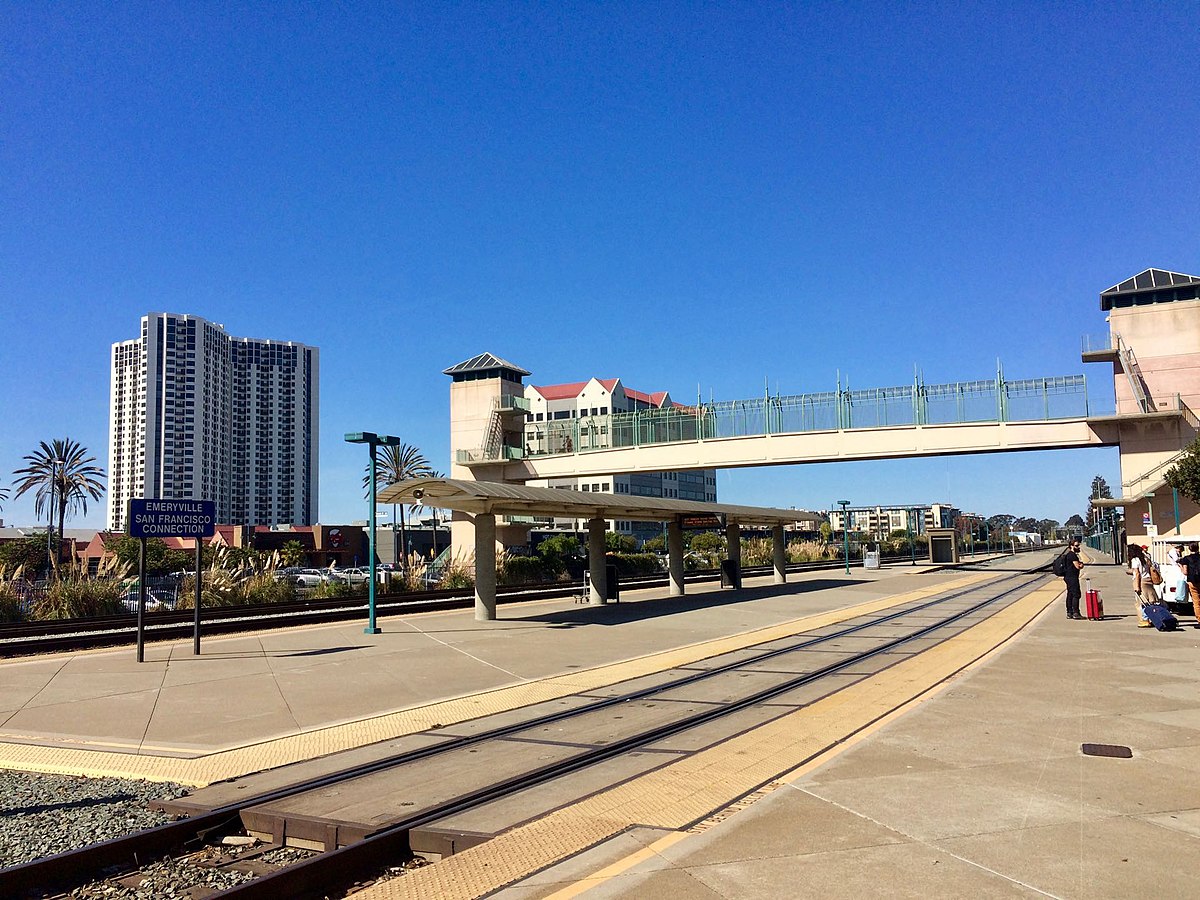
<point x="845" y="533"/>
<point x="372" y="440"/>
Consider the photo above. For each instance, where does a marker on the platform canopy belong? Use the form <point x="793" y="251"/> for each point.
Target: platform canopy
<point x="519" y="500"/>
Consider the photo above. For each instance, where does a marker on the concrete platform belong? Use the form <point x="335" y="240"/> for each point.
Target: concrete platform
<point x="255" y="701"/>
<point x="980" y="790"/>
<point x="976" y="785"/>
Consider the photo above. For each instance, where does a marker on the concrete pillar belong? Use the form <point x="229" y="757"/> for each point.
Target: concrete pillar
<point x="485" y="567"/>
<point x="598" y="580"/>
<point x="779" y="554"/>
<point x="675" y="560"/>
<point x="733" y="544"/>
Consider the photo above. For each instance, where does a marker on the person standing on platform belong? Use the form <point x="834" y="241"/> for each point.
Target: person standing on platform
<point x="1071" y="567"/>
<point x="1191" y="571"/>
<point x="1143" y="589"/>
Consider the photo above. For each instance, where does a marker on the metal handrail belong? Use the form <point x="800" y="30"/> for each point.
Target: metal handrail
<point x="1097" y="343"/>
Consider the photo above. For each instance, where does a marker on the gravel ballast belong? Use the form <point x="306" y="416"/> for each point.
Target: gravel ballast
<point x="48" y="814"/>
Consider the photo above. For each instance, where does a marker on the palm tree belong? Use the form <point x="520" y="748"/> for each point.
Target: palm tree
<point x="432" y="473"/>
<point x="397" y="462"/>
<point x="64" y="478"/>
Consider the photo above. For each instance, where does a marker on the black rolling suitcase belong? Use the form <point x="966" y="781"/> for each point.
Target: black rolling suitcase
<point x="1160" y="617"/>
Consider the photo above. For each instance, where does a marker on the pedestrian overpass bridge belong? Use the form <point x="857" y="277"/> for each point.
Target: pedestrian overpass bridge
<point x="843" y="425"/>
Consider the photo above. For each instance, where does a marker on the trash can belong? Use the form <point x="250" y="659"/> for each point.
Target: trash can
<point x="611" y="585"/>
<point x="871" y="559"/>
<point x="612" y="589"/>
<point x="731" y="574"/>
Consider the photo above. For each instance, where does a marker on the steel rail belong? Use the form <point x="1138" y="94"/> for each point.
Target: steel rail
<point x="66" y="869"/>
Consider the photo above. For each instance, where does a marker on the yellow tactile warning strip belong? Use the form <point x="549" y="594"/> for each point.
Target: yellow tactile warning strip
<point x="204" y="770"/>
<point x="687" y="791"/>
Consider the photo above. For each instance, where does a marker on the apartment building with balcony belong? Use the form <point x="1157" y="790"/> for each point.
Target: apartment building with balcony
<point x="563" y="417"/>
<point x="196" y="413"/>
<point x="497" y="419"/>
<point x="878" y="522"/>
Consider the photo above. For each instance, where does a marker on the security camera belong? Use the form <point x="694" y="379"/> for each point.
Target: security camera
<point x="419" y="494"/>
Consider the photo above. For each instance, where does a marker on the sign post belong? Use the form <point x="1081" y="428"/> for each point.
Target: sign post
<point x="150" y="518"/>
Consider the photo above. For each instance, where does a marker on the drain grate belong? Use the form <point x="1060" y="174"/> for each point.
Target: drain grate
<point x="1113" y="750"/>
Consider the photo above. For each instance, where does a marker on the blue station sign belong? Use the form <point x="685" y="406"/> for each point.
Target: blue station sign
<point x="171" y="518"/>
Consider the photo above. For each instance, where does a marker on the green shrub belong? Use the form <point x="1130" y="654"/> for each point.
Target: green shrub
<point x="708" y="542"/>
<point x="521" y="570"/>
<point x="218" y="587"/>
<point x="757" y="552"/>
<point x="76" y="597"/>
<point x="11" y="607"/>
<point x="635" y="563"/>
<point x="327" y="590"/>
<point x="458" y="574"/>
<point x="266" y="588"/>
<point x="808" y="551"/>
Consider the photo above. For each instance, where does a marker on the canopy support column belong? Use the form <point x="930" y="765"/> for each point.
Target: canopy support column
<point x="485" y="567"/>
<point x="675" y="558"/>
<point x="779" y="554"/>
<point x="597" y="570"/>
<point x="733" y="547"/>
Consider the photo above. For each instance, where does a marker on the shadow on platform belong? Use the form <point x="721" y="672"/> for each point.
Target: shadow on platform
<point x="617" y="613"/>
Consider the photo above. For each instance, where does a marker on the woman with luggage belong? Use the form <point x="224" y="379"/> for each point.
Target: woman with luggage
<point x="1143" y="591"/>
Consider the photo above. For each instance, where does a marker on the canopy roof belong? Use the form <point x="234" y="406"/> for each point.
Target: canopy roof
<point x="519" y="500"/>
<point x="484" y="362"/>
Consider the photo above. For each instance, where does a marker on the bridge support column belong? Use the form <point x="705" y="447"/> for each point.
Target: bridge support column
<point x="485" y="567"/>
<point x="597" y="570"/>
<point x="675" y="560"/>
<point x="733" y="546"/>
<point x="779" y="554"/>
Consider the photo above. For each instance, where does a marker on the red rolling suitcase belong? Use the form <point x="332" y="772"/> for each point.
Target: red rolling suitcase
<point x="1095" y="606"/>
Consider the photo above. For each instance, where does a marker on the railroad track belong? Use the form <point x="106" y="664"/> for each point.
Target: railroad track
<point x="350" y="855"/>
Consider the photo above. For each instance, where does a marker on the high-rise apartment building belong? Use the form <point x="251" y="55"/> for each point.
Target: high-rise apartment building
<point x="196" y="413"/>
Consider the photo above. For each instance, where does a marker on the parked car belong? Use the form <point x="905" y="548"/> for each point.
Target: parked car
<point x="1172" y="575"/>
<point x="355" y="575"/>
<point x="311" y="578"/>
<point x="156" y="599"/>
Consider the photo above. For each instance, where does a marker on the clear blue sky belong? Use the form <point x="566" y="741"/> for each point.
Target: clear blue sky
<point x="704" y="194"/>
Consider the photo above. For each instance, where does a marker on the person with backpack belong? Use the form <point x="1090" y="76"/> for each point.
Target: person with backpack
<point x="1143" y="589"/>
<point x="1067" y="567"/>
<point x="1191" y="571"/>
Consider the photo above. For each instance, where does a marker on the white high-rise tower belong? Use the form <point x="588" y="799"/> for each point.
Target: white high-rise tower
<point x="198" y="414"/>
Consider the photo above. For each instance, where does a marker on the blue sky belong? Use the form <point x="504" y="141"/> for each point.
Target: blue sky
<point x="708" y="195"/>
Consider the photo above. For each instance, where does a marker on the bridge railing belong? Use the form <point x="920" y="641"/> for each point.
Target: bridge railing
<point x="997" y="400"/>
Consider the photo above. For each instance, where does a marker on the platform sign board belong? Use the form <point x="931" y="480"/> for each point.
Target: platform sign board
<point x="705" y="520"/>
<point x="150" y="518"/>
<point x="155" y="518"/>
